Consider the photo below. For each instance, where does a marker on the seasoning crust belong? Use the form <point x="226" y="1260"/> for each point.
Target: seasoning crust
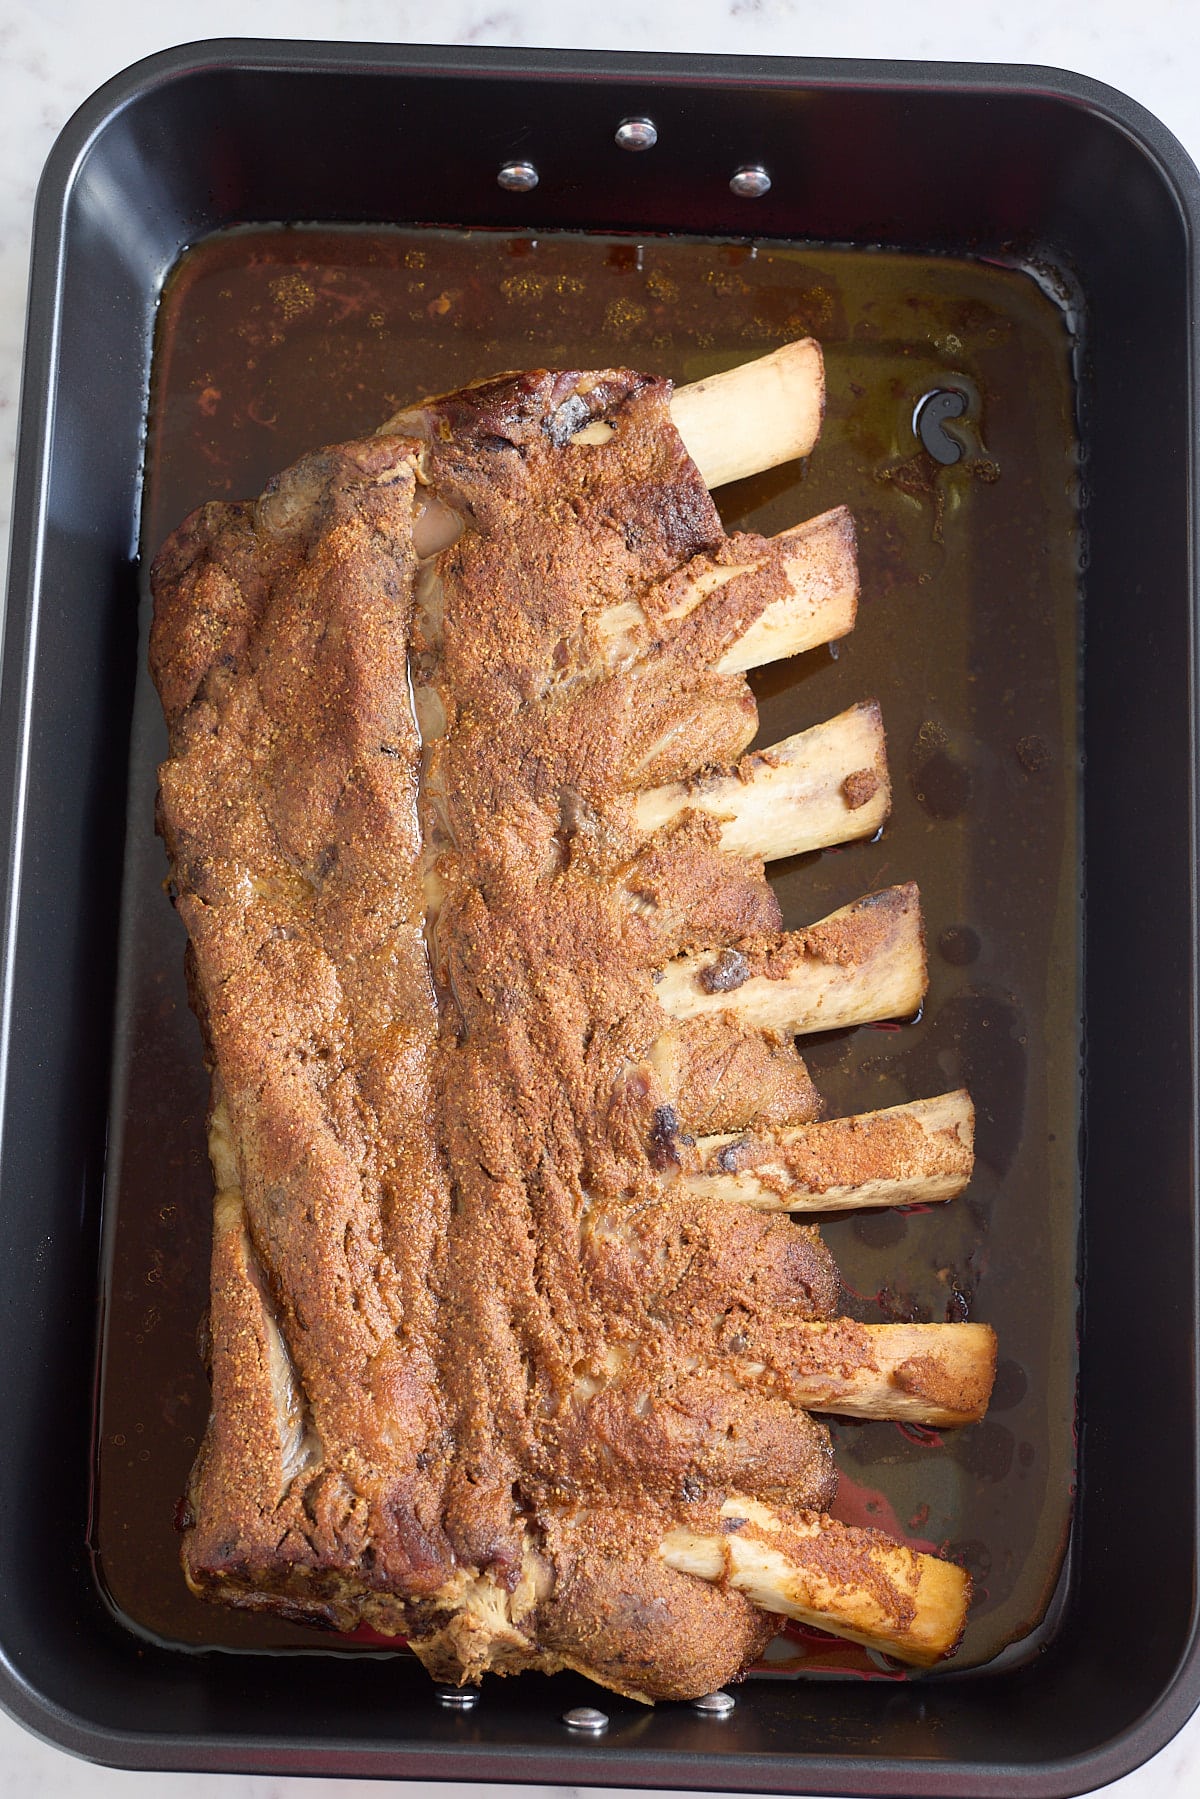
<point x="480" y="1343"/>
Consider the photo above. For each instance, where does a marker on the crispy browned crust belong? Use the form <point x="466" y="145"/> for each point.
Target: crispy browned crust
<point x="288" y="804"/>
<point x="897" y="1145"/>
<point x="468" y="1325"/>
<point x="729" y="1074"/>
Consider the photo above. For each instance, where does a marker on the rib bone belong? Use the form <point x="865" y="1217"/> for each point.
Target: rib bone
<point x="852" y="1582"/>
<point x="920" y="1152"/>
<point x="749" y="418"/>
<point x="937" y="1374"/>
<point x="819" y="604"/>
<point x="864" y="962"/>
<point x="755" y="416"/>
<point x="822" y="786"/>
<point x="822" y="604"/>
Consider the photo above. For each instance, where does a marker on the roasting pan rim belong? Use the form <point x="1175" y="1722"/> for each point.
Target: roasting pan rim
<point x="70" y="1726"/>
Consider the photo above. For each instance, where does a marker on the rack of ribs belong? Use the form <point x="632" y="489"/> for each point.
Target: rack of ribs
<point x="514" y="1349"/>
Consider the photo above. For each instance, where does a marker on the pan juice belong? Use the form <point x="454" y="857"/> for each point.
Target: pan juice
<point x="274" y="340"/>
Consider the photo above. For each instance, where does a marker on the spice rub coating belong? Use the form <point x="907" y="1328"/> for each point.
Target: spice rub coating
<point x="469" y="1325"/>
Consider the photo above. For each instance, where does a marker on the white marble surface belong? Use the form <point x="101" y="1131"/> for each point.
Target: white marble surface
<point x="53" y="53"/>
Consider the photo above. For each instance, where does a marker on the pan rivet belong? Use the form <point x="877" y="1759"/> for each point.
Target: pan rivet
<point x="586" y="1717"/>
<point x="460" y="1699"/>
<point x="518" y="177"/>
<point x="715" y="1705"/>
<point x="637" y="134"/>
<point x="751" y="181"/>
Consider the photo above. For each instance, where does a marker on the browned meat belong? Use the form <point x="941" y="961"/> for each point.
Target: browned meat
<point x="477" y="1346"/>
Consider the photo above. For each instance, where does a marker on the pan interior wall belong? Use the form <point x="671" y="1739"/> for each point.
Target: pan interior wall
<point x="271" y="341"/>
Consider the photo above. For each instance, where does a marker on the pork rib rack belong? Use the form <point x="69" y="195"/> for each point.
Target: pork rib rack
<point x="514" y="1350"/>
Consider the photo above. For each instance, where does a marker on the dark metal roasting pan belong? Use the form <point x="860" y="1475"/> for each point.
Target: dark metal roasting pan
<point x="1071" y="804"/>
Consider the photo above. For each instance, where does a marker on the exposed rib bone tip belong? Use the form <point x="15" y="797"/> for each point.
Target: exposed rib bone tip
<point x="855" y="1583"/>
<point x="810" y="573"/>
<point x="822" y="786"/>
<point x="755" y="416"/>
<point x="863" y="963"/>
<point x="920" y="1152"/>
<point x="936" y="1374"/>
<point x="821" y="601"/>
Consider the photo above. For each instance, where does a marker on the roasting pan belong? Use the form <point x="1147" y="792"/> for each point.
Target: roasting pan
<point x="1030" y="169"/>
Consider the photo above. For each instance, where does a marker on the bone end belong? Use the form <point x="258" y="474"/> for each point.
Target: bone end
<point x="821" y="602"/>
<point x="855" y="1583"/>
<point x="934" y="1374"/>
<point x="921" y="1152"/>
<point x="755" y="416"/>
<point x="863" y="963"/>
<point x="823" y="786"/>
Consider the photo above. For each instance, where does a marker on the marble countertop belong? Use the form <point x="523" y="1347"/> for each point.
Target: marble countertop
<point x="54" y="53"/>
